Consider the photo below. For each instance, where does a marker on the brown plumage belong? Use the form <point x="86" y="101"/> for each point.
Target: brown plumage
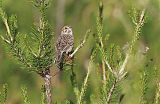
<point x="64" y="44"/>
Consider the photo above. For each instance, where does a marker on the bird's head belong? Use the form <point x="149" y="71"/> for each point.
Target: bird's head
<point x="66" y="30"/>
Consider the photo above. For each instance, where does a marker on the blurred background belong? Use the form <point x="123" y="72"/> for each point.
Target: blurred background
<point x="81" y="15"/>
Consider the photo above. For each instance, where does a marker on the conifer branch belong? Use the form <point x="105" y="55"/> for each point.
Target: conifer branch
<point x="100" y="29"/>
<point x="3" y="94"/>
<point x="144" y="87"/>
<point x="139" y="24"/>
<point x="121" y="71"/>
<point x="106" y="61"/>
<point x="25" y="96"/>
<point x="11" y="29"/>
<point x="40" y="62"/>
<point x="108" y="98"/>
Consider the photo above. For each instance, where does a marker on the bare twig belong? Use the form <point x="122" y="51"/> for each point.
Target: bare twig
<point x="7" y="41"/>
<point x="104" y="70"/>
<point x="141" y="20"/>
<point x="107" y="63"/>
<point x="81" y="44"/>
<point x="8" y="29"/>
<point x="5" y="21"/>
<point x="121" y="71"/>
<point x="109" y="67"/>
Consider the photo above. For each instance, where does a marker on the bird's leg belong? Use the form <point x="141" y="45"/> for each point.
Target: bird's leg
<point x="69" y="59"/>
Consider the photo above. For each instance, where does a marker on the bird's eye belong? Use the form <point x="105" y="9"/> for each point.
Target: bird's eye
<point x="65" y="28"/>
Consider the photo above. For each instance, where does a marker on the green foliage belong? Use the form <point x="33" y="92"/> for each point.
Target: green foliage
<point x="115" y="56"/>
<point x="74" y="83"/>
<point x="81" y="95"/>
<point x="34" y="51"/>
<point x="24" y="95"/>
<point x="138" y="18"/>
<point x="144" y="87"/>
<point x="43" y="97"/>
<point x="112" y="58"/>
<point x="36" y="58"/>
<point x="13" y="26"/>
<point x="44" y="56"/>
<point x="146" y="78"/>
<point x="149" y="75"/>
<point x="3" y="94"/>
<point x="157" y="95"/>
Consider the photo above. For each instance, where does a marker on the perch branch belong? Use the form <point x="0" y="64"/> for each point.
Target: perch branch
<point x="77" y="49"/>
<point x="81" y="44"/>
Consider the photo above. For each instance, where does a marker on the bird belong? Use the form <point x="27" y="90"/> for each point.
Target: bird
<point x="64" y="45"/>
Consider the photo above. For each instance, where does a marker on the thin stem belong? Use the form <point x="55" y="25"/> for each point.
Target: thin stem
<point x="81" y="44"/>
<point x="108" y="98"/>
<point x="8" y="29"/>
<point x="82" y="91"/>
<point x="121" y="71"/>
<point x="7" y="41"/>
<point x="108" y="65"/>
<point x="103" y="61"/>
<point x="138" y="27"/>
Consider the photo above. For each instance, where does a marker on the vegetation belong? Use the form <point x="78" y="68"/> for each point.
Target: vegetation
<point x="106" y="68"/>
